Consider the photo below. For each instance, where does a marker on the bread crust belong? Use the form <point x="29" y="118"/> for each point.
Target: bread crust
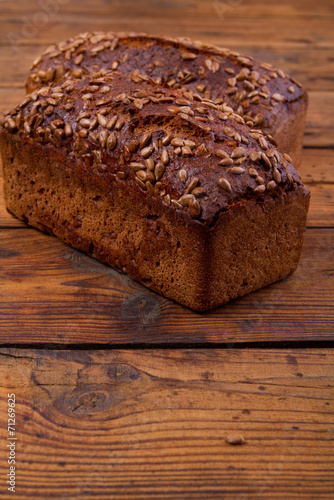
<point x="265" y="96"/>
<point x="199" y="211"/>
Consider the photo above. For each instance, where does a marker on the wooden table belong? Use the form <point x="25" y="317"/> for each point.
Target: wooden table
<point x="121" y="394"/>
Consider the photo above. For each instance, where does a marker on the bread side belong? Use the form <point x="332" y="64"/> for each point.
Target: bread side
<point x="155" y="187"/>
<point x="266" y="97"/>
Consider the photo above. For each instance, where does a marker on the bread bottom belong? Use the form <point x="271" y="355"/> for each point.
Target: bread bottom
<point x="251" y="245"/>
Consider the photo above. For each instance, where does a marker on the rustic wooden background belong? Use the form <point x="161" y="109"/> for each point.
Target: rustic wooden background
<point x="123" y="394"/>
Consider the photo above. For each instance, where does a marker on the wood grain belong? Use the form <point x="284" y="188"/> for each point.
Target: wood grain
<point x="51" y="293"/>
<point x="152" y="424"/>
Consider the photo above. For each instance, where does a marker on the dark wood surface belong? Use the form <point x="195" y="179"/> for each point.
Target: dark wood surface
<point x="129" y="395"/>
<point x="154" y="423"/>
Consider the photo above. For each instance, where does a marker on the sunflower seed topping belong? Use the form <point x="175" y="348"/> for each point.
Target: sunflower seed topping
<point x="194" y="209"/>
<point x="223" y="183"/>
<point x="252" y="172"/>
<point x="238" y="152"/>
<point x="188" y="56"/>
<point x="166" y="140"/>
<point x="164" y="157"/>
<point x="287" y="157"/>
<point x="146" y="152"/>
<point x="111" y="141"/>
<point x="260" y="189"/>
<point x="271" y="185"/>
<point x="68" y="130"/>
<point x="183" y="176"/>
<point x="221" y="154"/>
<point x="278" y="97"/>
<point x="186" y="199"/>
<point x="102" y="120"/>
<point x="277" y="176"/>
<point x="237" y="170"/>
<point x="145" y="140"/>
<point x="266" y="160"/>
<point x="159" y="171"/>
<point x="177" y="142"/>
<point x="226" y="162"/>
<point x="150" y="164"/>
<point x="192" y="184"/>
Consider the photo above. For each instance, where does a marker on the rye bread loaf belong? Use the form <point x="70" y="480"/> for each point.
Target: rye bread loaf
<point x="171" y="188"/>
<point x="266" y="97"/>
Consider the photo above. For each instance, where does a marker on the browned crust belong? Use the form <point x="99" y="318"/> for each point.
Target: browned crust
<point x="253" y="244"/>
<point x="267" y="97"/>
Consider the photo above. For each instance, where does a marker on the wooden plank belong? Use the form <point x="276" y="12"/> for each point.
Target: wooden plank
<point x="317" y="166"/>
<point x="51" y="293"/>
<point x="211" y="21"/>
<point x="320" y="120"/>
<point x="153" y="423"/>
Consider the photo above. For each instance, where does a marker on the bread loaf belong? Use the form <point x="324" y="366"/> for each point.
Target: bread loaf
<point x="266" y="97"/>
<point x="165" y="185"/>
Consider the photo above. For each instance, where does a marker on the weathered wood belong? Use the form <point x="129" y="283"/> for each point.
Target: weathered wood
<point x="296" y="24"/>
<point x="51" y="293"/>
<point x="152" y="424"/>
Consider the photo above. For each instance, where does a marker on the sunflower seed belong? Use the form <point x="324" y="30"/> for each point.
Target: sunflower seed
<point x="255" y="156"/>
<point x="68" y="130"/>
<point x="145" y="140"/>
<point x="136" y="166"/>
<point x="266" y="160"/>
<point x="188" y="56"/>
<point x="177" y="142"/>
<point x="149" y="163"/>
<point x="186" y="199"/>
<point x="278" y="97"/>
<point x="277" y="176"/>
<point x="287" y="157"/>
<point x="260" y="189"/>
<point x="235" y="440"/>
<point x="237" y="170"/>
<point x="238" y="152"/>
<point x="226" y="162"/>
<point x="259" y="180"/>
<point x="112" y="141"/>
<point x="119" y="124"/>
<point x="194" y="209"/>
<point x="271" y="185"/>
<point x="252" y="172"/>
<point x="183" y="176"/>
<point x="146" y="152"/>
<point x="221" y="154"/>
<point x="83" y="133"/>
<point x="177" y="204"/>
<point x="164" y="157"/>
<point x="173" y="109"/>
<point x="102" y="120"/>
<point x="223" y="183"/>
<point x="84" y="122"/>
<point x="263" y="143"/>
<point x="111" y="122"/>
<point x="192" y="184"/>
<point x="159" y="171"/>
<point x="103" y="136"/>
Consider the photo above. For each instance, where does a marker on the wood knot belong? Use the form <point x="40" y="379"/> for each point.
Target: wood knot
<point x="87" y="402"/>
<point x="119" y="373"/>
<point x="142" y="308"/>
